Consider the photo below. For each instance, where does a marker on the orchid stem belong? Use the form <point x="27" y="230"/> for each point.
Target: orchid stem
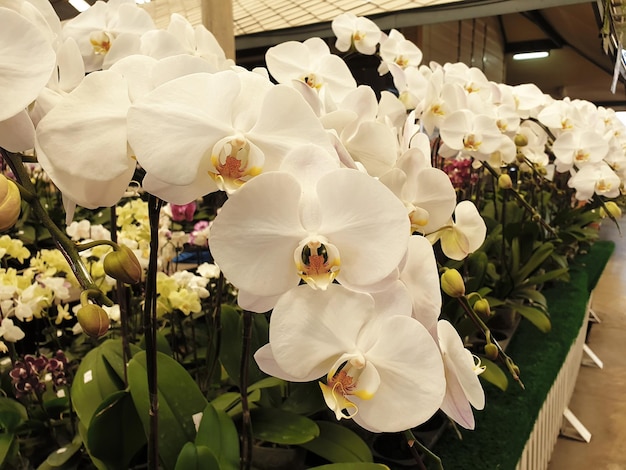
<point x="66" y="246"/>
<point x="150" y="332"/>
<point x="246" y="425"/>
<point x="506" y="360"/>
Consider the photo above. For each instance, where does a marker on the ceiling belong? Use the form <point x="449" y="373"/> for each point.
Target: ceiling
<point x="576" y="67"/>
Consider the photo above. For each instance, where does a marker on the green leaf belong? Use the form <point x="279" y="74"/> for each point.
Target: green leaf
<point x="230" y="351"/>
<point x="230" y="402"/>
<point x="337" y="443"/>
<point x="536" y="259"/>
<point x="282" y="427"/>
<point x="194" y="457"/>
<point x="550" y="275"/>
<point x="113" y="353"/>
<point x="493" y="374"/>
<point x="536" y="316"/>
<point x="267" y="382"/>
<point x="61" y="456"/>
<point x="305" y="398"/>
<point x="12" y="414"/>
<point x="179" y="400"/>
<point x="218" y="433"/>
<point x="7" y="446"/>
<point x="94" y="381"/>
<point x="352" y="466"/>
<point x="115" y="433"/>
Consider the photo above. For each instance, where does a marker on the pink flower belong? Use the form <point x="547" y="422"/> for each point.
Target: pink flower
<point x="183" y="212"/>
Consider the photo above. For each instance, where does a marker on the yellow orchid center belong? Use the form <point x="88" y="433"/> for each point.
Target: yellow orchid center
<point x="470" y="142"/>
<point x="401" y="61"/>
<point x="101" y="42"/>
<point x="581" y="156"/>
<point x="418" y="217"/>
<point x="232" y="165"/>
<point x="312" y="81"/>
<point x="603" y="186"/>
<point x="317" y="262"/>
<point x="342" y="383"/>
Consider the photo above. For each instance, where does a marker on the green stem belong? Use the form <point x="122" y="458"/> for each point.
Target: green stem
<point x="66" y="246"/>
<point x="480" y="324"/>
<point x="150" y="332"/>
<point x="414" y="443"/>
<point x="536" y="216"/>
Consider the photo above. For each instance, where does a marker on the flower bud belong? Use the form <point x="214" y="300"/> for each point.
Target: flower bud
<point x="452" y="283"/>
<point x="10" y="203"/>
<point x="505" y="182"/>
<point x="482" y="307"/>
<point x="520" y="140"/>
<point x="491" y="351"/>
<point x="93" y="320"/>
<point x="123" y="265"/>
<point x="612" y="208"/>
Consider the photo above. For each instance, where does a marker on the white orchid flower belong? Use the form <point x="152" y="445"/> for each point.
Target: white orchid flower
<point x="10" y="332"/>
<point x="222" y="130"/>
<point x="26" y="66"/>
<point x="313" y="222"/>
<point x="382" y="370"/>
<point x="579" y="149"/>
<point x="597" y="179"/>
<point x="91" y="164"/>
<point x="462" y="236"/>
<point x="396" y="49"/>
<point x="471" y="134"/>
<point x="311" y="63"/>
<point x="420" y="275"/>
<point x="357" y="31"/>
<point x="426" y="192"/>
<point x="463" y="388"/>
<point x="97" y="29"/>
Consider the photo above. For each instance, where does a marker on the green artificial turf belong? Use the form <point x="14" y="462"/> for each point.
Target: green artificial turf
<point x="505" y="424"/>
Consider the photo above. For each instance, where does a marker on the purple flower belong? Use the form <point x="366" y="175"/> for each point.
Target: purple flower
<point x="183" y="212"/>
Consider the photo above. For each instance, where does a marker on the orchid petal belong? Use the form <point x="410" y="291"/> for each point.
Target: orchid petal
<point x="254" y="236"/>
<point x="411" y="375"/>
<point x="310" y="330"/>
<point x="17" y="133"/>
<point x="90" y="164"/>
<point x="370" y="247"/>
<point x="421" y="277"/>
<point x="26" y="64"/>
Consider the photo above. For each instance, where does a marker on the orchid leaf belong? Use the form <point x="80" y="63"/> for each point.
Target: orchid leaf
<point x="218" y="433"/>
<point x="115" y="433"/>
<point x="494" y="374"/>
<point x="337" y="443"/>
<point x="12" y="414"/>
<point x="195" y="457"/>
<point x="7" y="446"/>
<point x="61" y="456"/>
<point x="179" y="400"/>
<point x="539" y="255"/>
<point x="230" y="352"/>
<point x="535" y="315"/>
<point x="95" y="380"/>
<point x="304" y="398"/>
<point x="282" y="427"/>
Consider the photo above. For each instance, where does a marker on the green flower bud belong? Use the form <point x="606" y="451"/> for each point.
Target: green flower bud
<point x="10" y="203"/>
<point x="122" y="264"/>
<point x="612" y="209"/>
<point x="520" y="140"/>
<point x="491" y="351"/>
<point x="482" y="307"/>
<point x="93" y="320"/>
<point x="505" y="182"/>
<point x="452" y="283"/>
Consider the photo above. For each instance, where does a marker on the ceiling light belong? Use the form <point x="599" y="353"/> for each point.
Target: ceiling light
<point x="530" y="55"/>
<point x="80" y="5"/>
